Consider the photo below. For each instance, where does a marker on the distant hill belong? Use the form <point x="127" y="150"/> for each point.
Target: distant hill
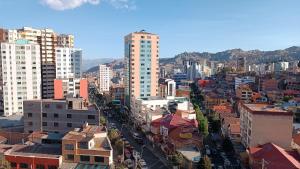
<point x="89" y="63"/>
<point x="253" y="56"/>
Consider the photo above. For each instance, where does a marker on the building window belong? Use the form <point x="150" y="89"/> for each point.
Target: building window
<point x="99" y="159"/>
<point x="23" y="165"/>
<point x="85" y="158"/>
<point x="59" y="106"/>
<point x="69" y="124"/>
<point x="70" y="157"/>
<point x="13" y="165"/>
<point x="69" y="147"/>
<point x="69" y="116"/>
<point x="40" y="166"/>
<point x="47" y="106"/>
<point x="91" y="116"/>
<point x="83" y="145"/>
<point x="30" y="123"/>
<point x="55" y="124"/>
<point x="52" y="167"/>
<point x="44" y="123"/>
<point x="55" y="115"/>
<point x="29" y="115"/>
<point x="44" y="114"/>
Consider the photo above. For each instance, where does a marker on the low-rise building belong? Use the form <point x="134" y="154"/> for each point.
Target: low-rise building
<point x="263" y="123"/>
<point x="167" y="88"/>
<point x="270" y="155"/>
<point x="117" y="93"/>
<point x="88" y="145"/>
<point x="58" y="116"/>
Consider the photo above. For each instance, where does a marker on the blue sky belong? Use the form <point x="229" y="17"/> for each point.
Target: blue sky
<point x="183" y="25"/>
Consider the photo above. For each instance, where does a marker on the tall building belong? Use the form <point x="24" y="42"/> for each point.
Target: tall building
<point x="8" y="35"/>
<point x="104" y="78"/>
<point x="71" y="87"/>
<point x="47" y="39"/>
<point x="167" y="88"/>
<point x="20" y="74"/>
<point x="240" y="64"/>
<point x="68" y="62"/>
<point x="141" y="65"/>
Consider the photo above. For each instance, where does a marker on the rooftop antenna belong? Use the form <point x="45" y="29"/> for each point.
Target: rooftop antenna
<point x="143" y="30"/>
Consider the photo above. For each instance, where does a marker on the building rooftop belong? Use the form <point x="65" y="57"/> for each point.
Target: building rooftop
<point x="191" y="153"/>
<point x="266" y="109"/>
<point x="38" y="150"/>
<point x="274" y="156"/>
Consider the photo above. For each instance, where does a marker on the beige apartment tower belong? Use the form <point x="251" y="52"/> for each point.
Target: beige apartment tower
<point x="141" y="65"/>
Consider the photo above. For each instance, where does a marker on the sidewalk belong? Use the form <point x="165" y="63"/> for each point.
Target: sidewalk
<point x="158" y="153"/>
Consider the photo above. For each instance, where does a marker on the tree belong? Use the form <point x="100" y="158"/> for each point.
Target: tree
<point x="102" y="120"/>
<point x="205" y="163"/>
<point x="119" y="146"/>
<point x="227" y="145"/>
<point x="204" y="126"/>
<point x="177" y="159"/>
<point x="113" y="135"/>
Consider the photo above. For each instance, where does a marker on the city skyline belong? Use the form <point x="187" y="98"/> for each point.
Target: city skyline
<point x="194" y="26"/>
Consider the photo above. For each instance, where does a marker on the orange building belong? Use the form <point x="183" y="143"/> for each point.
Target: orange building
<point x="70" y="87"/>
<point x="212" y="99"/>
<point x="269" y="85"/>
<point x="244" y="92"/>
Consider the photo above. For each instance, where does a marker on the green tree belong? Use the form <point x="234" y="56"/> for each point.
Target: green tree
<point x="113" y="135"/>
<point x="102" y="120"/>
<point x="205" y="163"/>
<point x="204" y="126"/>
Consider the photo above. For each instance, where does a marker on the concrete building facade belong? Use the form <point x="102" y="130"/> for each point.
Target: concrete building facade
<point x="59" y="116"/>
<point x="68" y="62"/>
<point x="141" y="65"/>
<point x="20" y="75"/>
<point x="71" y="87"/>
<point x="263" y="123"/>
<point x="104" y="78"/>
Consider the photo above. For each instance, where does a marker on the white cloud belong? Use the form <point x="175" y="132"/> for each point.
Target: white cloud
<point x="71" y="4"/>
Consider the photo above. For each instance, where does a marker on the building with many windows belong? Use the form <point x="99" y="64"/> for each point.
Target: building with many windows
<point x="68" y="62"/>
<point x="58" y="116"/>
<point x="104" y="78"/>
<point x="141" y="65"/>
<point x="263" y="123"/>
<point x="20" y="75"/>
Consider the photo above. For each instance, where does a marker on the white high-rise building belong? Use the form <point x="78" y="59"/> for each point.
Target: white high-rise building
<point x="20" y="75"/>
<point x="104" y="78"/>
<point x="68" y="63"/>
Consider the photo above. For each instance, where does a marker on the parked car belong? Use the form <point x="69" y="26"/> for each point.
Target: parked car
<point x="142" y="164"/>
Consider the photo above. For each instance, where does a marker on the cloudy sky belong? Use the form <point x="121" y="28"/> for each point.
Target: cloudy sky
<point x="183" y="25"/>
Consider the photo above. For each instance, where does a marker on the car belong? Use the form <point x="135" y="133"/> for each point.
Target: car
<point x="142" y="164"/>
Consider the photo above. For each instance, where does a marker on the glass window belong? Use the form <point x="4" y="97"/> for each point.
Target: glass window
<point x="40" y="166"/>
<point x="99" y="159"/>
<point x="69" y="147"/>
<point x="85" y="158"/>
<point x="23" y="165"/>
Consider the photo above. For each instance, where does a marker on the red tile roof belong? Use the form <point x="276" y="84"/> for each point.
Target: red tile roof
<point x="274" y="157"/>
<point x="172" y="121"/>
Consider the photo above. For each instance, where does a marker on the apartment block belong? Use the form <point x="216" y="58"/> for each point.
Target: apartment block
<point x="59" y="116"/>
<point x="141" y="65"/>
<point x="104" y="78"/>
<point x="263" y="123"/>
<point x="117" y="93"/>
<point x="20" y="75"/>
<point x="71" y="87"/>
<point x="68" y="63"/>
<point x="88" y="145"/>
<point x="243" y="80"/>
<point x="8" y="35"/>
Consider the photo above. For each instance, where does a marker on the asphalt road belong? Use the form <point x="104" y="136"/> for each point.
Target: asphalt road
<point x="152" y="161"/>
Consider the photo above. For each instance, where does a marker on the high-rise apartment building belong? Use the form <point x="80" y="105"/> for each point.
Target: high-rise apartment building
<point x="68" y="62"/>
<point x="8" y="35"/>
<point x="104" y="78"/>
<point x="20" y="74"/>
<point x="48" y="41"/>
<point x="46" y="38"/>
<point x="141" y="65"/>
